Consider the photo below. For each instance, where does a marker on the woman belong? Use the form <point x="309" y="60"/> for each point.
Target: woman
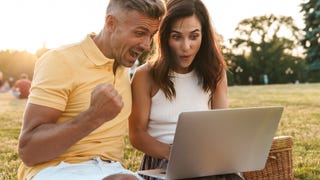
<point x="190" y="74"/>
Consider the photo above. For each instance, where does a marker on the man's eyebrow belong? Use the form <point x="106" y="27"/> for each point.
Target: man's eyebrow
<point x="143" y="28"/>
<point x="147" y="30"/>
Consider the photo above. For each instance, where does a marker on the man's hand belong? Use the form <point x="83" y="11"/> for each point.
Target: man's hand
<point x="106" y="103"/>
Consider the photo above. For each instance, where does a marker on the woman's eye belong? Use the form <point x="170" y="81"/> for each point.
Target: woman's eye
<point x="195" y="36"/>
<point x="175" y="37"/>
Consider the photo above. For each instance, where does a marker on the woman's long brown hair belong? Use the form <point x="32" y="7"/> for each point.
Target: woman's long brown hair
<point x="209" y="63"/>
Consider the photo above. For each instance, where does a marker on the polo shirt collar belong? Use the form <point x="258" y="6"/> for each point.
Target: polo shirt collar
<point x="93" y="52"/>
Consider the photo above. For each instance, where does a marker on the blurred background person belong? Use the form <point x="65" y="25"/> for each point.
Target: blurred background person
<point x="21" y="87"/>
<point x="4" y="85"/>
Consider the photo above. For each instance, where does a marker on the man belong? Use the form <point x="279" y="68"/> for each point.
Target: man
<point x="21" y="87"/>
<point x="80" y="99"/>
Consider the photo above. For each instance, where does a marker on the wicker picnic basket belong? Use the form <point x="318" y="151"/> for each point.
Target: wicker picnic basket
<point x="279" y="163"/>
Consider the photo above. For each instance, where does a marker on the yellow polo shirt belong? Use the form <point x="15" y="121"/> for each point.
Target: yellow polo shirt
<point x="64" y="79"/>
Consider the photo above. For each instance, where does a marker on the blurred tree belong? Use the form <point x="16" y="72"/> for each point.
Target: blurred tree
<point x="41" y="51"/>
<point x="266" y="45"/>
<point x="13" y="63"/>
<point x="311" y="41"/>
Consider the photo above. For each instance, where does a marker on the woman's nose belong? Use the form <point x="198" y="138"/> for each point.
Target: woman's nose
<point x="186" y="45"/>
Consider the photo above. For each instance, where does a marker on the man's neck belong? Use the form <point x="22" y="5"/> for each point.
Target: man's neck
<point x="115" y="66"/>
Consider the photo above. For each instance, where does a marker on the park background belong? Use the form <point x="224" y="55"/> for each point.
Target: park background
<point x="271" y="61"/>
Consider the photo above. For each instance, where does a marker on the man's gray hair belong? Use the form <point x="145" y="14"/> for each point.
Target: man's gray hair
<point x="150" y="8"/>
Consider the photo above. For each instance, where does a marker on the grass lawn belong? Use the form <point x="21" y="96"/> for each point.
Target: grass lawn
<point x="301" y="120"/>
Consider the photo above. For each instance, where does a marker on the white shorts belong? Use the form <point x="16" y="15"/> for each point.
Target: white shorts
<point x="95" y="169"/>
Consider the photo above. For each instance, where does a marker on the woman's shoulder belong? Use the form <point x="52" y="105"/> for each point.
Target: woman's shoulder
<point x="146" y="67"/>
<point x="143" y="70"/>
<point x="143" y="77"/>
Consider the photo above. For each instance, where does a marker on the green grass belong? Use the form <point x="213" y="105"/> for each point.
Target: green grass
<point x="301" y="120"/>
<point x="11" y="111"/>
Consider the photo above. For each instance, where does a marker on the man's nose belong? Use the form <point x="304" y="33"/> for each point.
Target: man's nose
<point x="146" y="44"/>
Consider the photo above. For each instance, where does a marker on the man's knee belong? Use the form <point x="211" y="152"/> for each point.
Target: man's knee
<point x="121" y="177"/>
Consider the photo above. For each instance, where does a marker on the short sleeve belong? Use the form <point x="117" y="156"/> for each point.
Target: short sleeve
<point x="52" y="81"/>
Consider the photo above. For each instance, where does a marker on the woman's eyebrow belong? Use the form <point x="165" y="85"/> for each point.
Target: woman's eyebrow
<point x="175" y="31"/>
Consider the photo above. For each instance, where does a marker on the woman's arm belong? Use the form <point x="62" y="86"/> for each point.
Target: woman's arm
<point x="142" y="87"/>
<point x="220" y="97"/>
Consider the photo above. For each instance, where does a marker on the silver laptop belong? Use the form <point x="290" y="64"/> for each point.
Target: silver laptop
<point x="220" y="141"/>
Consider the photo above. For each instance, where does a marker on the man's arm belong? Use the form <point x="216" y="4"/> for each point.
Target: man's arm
<point x="42" y="139"/>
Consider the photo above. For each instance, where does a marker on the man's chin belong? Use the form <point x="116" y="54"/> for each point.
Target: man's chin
<point x="128" y="64"/>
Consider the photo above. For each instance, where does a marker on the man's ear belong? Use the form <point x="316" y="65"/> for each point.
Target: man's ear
<point x="111" y="22"/>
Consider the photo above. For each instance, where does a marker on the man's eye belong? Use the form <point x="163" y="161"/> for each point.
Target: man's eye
<point x="139" y="34"/>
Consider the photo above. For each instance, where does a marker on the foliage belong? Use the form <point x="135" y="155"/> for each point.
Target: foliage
<point x="14" y="63"/>
<point x="266" y="45"/>
<point x="299" y="120"/>
<point x="311" y="41"/>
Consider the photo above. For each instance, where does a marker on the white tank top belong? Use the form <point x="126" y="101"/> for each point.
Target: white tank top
<point x="164" y="113"/>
